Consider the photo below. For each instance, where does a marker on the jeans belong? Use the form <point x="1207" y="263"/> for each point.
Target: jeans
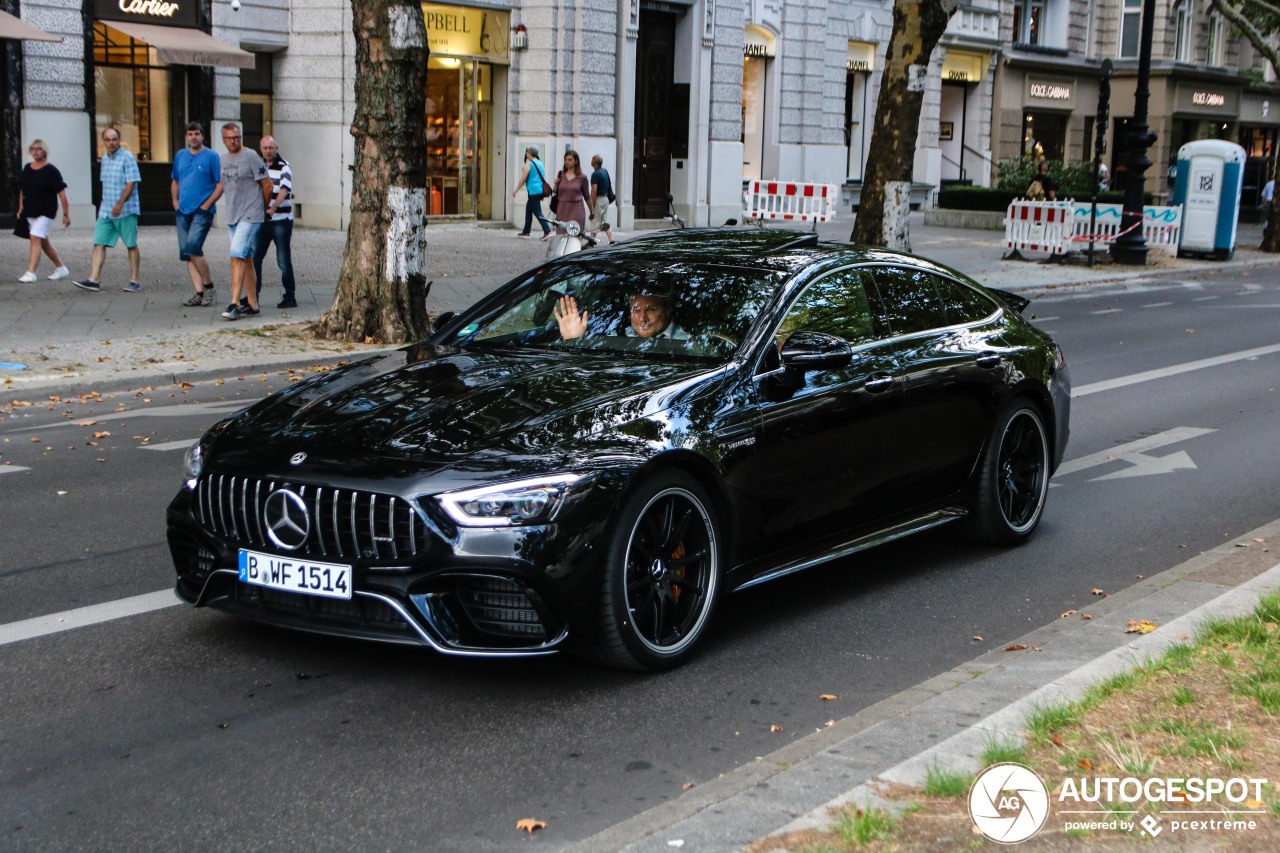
<point x="192" y="229"/>
<point x="532" y="208"/>
<point x="281" y="231"/>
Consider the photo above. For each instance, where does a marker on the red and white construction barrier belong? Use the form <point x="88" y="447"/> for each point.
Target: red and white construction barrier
<point x="1038" y="226"/>
<point x="791" y="201"/>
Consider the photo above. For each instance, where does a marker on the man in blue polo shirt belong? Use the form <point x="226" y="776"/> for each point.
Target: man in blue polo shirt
<point x="195" y="186"/>
<point x="118" y="214"/>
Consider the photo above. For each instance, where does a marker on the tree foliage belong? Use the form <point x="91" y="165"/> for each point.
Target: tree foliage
<point x="381" y="293"/>
<point x="1259" y="22"/>
<point x="886" y="186"/>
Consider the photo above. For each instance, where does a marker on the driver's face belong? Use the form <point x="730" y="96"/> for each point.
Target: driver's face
<point x="648" y="315"/>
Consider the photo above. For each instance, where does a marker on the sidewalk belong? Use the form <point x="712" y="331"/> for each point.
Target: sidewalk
<point x="73" y="340"/>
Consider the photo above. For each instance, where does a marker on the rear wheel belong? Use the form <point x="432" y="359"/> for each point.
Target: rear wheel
<point x="1012" y="478"/>
<point x="661" y="575"/>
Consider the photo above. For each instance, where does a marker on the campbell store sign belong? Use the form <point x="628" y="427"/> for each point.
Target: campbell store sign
<point x="171" y="13"/>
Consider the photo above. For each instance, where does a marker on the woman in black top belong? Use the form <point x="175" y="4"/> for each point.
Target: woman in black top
<point x="41" y="189"/>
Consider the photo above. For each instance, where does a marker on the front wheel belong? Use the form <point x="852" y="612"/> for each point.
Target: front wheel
<point x="661" y="575"/>
<point x="1012" y="478"/>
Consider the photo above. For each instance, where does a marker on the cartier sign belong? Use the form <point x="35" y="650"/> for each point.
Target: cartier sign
<point x="178" y="13"/>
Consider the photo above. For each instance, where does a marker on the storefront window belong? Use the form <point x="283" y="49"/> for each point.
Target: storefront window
<point x="135" y="93"/>
<point x="459" y="112"/>
<point x="753" y="105"/>
<point x="1044" y="134"/>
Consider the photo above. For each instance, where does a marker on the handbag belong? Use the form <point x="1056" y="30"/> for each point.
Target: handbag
<point x="546" y="188"/>
<point x="22" y="228"/>
<point x="555" y="201"/>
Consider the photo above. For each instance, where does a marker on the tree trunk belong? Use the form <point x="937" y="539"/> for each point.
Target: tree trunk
<point x="381" y="293"/>
<point x="886" y="186"/>
<point x="1271" y="234"/>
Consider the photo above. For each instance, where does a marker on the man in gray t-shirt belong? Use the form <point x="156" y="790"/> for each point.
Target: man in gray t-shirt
<point x="247" y="190"/>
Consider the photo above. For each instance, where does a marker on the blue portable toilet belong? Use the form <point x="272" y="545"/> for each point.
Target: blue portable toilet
<point x="1210" y="174"/>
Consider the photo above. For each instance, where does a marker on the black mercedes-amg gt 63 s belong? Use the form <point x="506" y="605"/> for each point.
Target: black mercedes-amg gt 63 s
<point x="595" y="454"/>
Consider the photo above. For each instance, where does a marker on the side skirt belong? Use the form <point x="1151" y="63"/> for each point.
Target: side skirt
<point x="862" y="543"/>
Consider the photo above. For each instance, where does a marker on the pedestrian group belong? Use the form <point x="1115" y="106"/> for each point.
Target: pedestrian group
<point x="256" y="192"/>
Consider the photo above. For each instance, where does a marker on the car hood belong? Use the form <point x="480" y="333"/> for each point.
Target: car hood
<point x="436" y="405"/>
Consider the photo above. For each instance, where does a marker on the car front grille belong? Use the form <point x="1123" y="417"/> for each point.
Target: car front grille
<point x="500" y="607"/>
<point x="368" y="612"/>
<point x="343" y="523"/>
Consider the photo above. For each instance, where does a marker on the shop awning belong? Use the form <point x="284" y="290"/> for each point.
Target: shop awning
<point x="12" y="27"/>
<point x="185" y="46"/>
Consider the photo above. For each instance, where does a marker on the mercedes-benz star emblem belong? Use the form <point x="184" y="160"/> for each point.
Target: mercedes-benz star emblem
<point x="288" y="523"/>
<point x="297" y="458"/>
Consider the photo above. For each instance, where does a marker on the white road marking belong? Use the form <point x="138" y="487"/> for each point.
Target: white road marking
<point x="1044" y="319"/>
<point x="1157" y="304"/>
<point x="82" y="617"/>
<point x="1107" y="311"/>
<point x="1134" y="449"/>
<point x="1203" y="298"/>
<point x="1141" y="465"/>
<point x="182" y="410"/>
<point x="1172" y="370"/>
<point x="170" y="445"/>
<point x="12" y="469"/>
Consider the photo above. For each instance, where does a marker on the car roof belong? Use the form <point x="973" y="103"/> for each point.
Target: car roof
<point x="784" y="251"/>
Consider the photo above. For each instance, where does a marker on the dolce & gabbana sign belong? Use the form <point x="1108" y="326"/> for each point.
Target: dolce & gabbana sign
<point x="172" y="13"/>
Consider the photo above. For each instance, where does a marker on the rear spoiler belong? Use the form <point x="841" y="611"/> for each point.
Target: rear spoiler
<point x="1013" y="300"/>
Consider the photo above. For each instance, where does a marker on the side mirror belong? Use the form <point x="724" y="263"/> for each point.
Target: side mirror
<point x="443" y="319"/>
<point x="805" y="351"/>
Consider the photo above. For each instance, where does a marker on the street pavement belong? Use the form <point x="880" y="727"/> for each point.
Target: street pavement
<point x="56" y="339"/>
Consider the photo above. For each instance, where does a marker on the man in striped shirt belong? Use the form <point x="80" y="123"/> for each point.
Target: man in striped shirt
<point x="279" y="224"/>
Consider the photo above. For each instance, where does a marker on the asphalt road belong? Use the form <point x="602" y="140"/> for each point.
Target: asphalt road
<point x="186" y="730"/>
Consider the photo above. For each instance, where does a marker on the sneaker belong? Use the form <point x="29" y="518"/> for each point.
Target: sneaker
<point x="88" y="284"/>
<point x="249" y="311"/>
<point x="206" y="295"/>
<point x="59" y="274"/>
<point x="523" y="236"/>
<point x="244" y="302"/>
<point x="288" y="302"/>
<point x="28" y="277"/>
<point x="194" y="301"/>
<point x="132" y="287"/>
<point x="232" y="312"/>
<point x="546" y="235"/>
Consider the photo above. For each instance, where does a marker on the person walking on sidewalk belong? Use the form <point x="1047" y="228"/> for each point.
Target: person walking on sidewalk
<point x="118" y="213"/>
<point x="534" y="181"/>
<point x="601" y="197"/>
<point x="278" y="227"/>
<point x="196" y="186"/>
<point x="572" y="191"/>
<point x="40" y="189"/>
<point x="248" y="192"/>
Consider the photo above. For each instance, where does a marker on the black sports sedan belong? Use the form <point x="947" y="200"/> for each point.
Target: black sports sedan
<point x="595" y="454"/>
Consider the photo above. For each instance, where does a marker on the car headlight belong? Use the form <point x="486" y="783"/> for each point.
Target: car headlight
<point x="193" y="464"/>
<point x="534" y="501"/>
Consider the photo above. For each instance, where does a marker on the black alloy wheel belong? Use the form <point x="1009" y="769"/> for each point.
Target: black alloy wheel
<point x="661" y="576"/>
<point x="1012" y="478"/>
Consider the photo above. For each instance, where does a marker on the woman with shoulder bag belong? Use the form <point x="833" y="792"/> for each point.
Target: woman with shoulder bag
<point x="41" y="188"/>
<point x="534" y="181"/>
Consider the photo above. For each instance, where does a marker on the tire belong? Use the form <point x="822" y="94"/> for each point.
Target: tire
<point x="661" y="575"/>
<point x="1012" y="479"/>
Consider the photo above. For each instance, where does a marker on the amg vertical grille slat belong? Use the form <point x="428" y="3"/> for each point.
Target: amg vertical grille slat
<point x="344" y="523"/>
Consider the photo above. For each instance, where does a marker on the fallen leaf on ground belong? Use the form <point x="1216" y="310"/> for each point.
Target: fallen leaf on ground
<point x="1085" y="764"/>
<point x="1142" y="626"/>
<point x="102" y="434"/>
<point x="529" y="824"/>
<point x="686" y="786"/>
<point x="1016" y="647"/>
<point x="1085" y="616"/>
<point x="1068" y="613"/>
<point x="828" y="697"/>
<point x="774" y="727"/>
<point x="1097" y="591"/>
<point x="977" y="638"/>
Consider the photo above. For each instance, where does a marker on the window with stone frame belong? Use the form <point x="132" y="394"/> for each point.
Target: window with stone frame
<point x="1183" y="31"/>
<point x="1216" y="49"/>
<point x="1130" y="28"/>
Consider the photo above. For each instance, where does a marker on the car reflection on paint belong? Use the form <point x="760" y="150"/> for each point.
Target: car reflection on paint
<point x="519" y="484"/>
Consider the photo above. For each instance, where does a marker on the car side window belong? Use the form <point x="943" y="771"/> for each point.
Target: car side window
<point x="911" y="303"/>
<point x="836" y="304"/>
<point x="963" y="304"/>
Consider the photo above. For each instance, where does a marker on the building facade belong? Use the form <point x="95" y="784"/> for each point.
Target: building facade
<point x="687" y="97"/>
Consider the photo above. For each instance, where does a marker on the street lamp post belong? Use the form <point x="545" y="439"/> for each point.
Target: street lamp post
<point x="1131" y="248"/>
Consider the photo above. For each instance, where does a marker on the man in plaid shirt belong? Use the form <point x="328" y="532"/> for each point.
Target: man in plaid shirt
<point x="118" y="213"/>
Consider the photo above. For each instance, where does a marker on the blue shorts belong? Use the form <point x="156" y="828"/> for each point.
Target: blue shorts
<point x="192" y="229"/>
<point x="244" y="239"/>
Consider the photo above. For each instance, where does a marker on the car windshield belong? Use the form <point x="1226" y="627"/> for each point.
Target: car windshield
<point x="676" y="311"/>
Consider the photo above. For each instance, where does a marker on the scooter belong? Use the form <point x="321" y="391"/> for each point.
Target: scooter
<point x="572" y="240"/>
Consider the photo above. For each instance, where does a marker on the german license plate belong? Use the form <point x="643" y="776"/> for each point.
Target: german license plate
<point x="330" y="580"/>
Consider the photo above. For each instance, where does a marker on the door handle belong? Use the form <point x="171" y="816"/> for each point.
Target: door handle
<point x="878" y="384"/>
<point x="988" y="360"/>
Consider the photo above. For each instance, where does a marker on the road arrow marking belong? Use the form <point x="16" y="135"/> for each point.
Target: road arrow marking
<point x="12" y="469"/>
<point x="1144" y="465"/>
<point x="1125" y="452"/>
